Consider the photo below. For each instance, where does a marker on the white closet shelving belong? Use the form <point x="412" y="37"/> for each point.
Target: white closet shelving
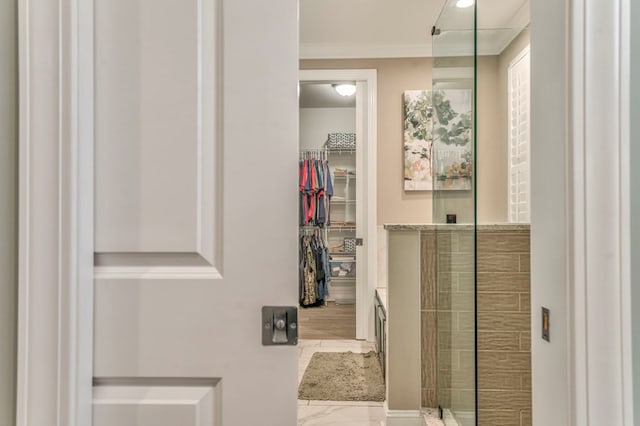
<point x="340" y="234"/>
<point x="342" y="231"/>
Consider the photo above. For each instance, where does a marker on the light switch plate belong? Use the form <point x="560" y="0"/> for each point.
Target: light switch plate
<point x="546" y="325"/>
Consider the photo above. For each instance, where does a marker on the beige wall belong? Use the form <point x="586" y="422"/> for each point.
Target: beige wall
<point x="8" y="206"/>
<point x="394" y="77"/>
<point x="491" y="164"/>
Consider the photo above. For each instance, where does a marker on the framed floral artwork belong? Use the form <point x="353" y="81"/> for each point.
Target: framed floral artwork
<point x="438" y="142"/>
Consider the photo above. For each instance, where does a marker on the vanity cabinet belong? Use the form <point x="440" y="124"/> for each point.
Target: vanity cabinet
<point x="381" y="334"/>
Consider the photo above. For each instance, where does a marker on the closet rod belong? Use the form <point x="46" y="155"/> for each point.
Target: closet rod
<point x="313" y="154"/>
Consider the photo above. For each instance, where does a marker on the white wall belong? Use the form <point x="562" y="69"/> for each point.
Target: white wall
<point x="550" y="376"/>
<point x="317" y="123"/>
<point x="635" y="201"/>
<point x="8" y="206"/>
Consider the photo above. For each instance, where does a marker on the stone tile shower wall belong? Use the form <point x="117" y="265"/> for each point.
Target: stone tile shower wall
<point x="504" y="335"/>
<point x="504" y="328"/>
<point x="428" y="326"/>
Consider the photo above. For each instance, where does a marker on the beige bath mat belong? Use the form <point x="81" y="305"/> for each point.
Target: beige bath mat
<point x="342" y="376"/>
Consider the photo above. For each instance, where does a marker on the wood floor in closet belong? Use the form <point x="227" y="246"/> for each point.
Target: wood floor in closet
<point x="331" y="322"/>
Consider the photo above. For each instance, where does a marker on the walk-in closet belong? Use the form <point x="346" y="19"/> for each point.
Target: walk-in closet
<point x="328" y="185"/>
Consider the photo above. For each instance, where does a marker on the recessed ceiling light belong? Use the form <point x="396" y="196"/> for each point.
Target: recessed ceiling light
<point x="345" y="89"/>
<point x="464" y="3"/>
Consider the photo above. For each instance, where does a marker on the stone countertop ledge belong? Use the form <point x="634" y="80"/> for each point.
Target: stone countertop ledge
<point x="456" y="226"/>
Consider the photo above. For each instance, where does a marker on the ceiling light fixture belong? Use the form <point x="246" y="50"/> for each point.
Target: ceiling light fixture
<point x="464" y="3"/>
<point x="345" y="89"/>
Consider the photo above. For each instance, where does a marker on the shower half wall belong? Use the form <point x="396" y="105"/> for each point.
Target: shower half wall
<point x="503" y="322"/>
<point x="420" y="269"/>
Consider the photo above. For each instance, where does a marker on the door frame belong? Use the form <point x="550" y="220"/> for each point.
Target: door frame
<point x="580" y="248"/>
<point x="366" y="119"/>
<point x="599" y="229"/>
<point x="55" y="267"/>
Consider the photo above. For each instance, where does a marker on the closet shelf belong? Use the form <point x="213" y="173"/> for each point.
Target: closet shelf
<point x="341" y="150"/>
<point x="345" y="228"/>
<point x="343" y="280"/>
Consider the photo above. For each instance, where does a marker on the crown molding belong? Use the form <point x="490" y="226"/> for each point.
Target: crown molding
<point x="380" y="51"/>
<point x="363" y="50"/>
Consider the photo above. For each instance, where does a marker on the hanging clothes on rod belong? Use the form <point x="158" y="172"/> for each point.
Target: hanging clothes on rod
<point x="314" y="269"/>
<point x="315" y="189"/>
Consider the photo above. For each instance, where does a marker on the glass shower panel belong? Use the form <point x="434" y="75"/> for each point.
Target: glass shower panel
<point x="454" y="210"/>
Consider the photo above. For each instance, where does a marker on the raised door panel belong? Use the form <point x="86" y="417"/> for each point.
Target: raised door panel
<point x="156" y="405"/>
<point x="155" y="91"/>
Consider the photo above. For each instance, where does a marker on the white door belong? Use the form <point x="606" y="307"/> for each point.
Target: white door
<point x="195" y="139"/>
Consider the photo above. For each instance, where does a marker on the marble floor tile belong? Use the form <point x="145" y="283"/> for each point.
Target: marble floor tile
<point x="432" y="418"/>
<point x="347" y="403"/>
<point x="303" y="343"/>
<point x="340" y="415"/>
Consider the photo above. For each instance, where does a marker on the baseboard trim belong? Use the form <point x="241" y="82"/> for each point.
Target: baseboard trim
<point x="403" y="417"/>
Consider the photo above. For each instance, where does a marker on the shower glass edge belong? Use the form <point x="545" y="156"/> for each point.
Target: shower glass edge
<point x="453" y="159"/>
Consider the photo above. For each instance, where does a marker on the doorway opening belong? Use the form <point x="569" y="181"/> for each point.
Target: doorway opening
<point x="337" y="220"/>
<point x="328" y="189"/>
<point x="338" y="136"/>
